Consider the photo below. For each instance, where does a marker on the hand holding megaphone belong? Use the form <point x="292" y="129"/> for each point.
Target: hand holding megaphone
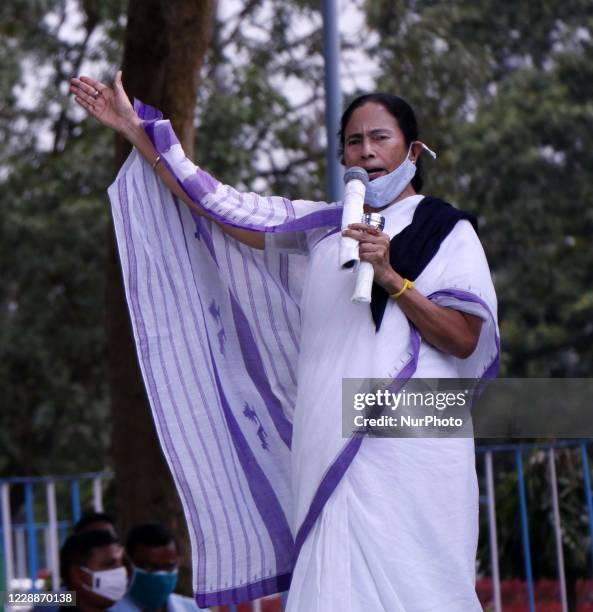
<point x="365" y="272"/>
<point x="356" y="180"/>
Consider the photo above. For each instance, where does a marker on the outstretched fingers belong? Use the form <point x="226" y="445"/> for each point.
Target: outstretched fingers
<point x="88" y="106"/>
<point x="92" y="83"/>
<point x="84" y="91"/>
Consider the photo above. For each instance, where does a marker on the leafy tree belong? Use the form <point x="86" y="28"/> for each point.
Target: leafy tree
<point x="53" y="223"/>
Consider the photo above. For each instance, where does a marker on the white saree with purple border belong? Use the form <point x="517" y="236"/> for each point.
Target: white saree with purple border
<point x="243" y="353"/>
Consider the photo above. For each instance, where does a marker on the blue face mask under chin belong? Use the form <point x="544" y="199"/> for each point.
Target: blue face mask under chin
<point x="385" y="189"/>
<point x="151" y="589"/>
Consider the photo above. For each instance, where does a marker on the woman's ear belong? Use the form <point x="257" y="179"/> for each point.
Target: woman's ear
<point x="416" y="150"/>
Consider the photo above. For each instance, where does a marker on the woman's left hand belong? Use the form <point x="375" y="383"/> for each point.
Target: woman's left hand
<point x="374" y="248"/>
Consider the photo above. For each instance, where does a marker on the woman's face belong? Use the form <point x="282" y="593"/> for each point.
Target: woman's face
<point x="373" y="140"/>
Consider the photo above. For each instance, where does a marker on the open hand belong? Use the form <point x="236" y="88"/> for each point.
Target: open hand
<point x="109" y="105"/>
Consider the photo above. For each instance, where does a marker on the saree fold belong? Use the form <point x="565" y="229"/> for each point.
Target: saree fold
<point x="221" y="397"/>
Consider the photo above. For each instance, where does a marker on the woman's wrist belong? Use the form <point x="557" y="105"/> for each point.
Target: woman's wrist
<point x="393" y="282"/>
<point x="131" y="129"/>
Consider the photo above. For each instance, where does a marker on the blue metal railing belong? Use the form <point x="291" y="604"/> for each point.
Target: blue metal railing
<point x="588" y="497"/>
<point x="525" y="528"/>
<point x="489" y="500"/>
<point x="20" y="541"/>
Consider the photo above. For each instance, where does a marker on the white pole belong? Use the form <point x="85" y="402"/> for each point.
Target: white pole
<point x="97" y="495"/>
<point x="52" y="524"/>
<point x="557" y="530"/>
<point x="492" y="533"/>
<point x="21" y="556"/>
<point x="7" y="534"/>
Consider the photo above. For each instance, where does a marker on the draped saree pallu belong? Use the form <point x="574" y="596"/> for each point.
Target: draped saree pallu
<point x="242" y="353"/>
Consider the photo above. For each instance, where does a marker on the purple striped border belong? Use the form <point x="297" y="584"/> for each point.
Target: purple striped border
<point x="466" y="296"/>
<point x="248" y="592"/>
<point x="162" y="136"/>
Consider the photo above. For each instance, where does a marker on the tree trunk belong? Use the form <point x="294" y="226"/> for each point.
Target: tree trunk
<point x="165" y="44"/>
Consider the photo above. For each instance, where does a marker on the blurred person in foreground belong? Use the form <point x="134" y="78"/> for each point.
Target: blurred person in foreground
<point x="244" y="354"/>
<point x="91" y="564"/>
<point x="153" y="556"/>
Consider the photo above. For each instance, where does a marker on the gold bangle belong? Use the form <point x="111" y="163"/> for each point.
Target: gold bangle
<point x="408" y="284"/>
<point x="157" y="161"/>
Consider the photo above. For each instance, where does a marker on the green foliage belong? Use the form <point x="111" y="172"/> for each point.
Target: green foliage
<point x="261" y="100"/>
<point x="53" y="230"/>
<point x="53" y="227"/>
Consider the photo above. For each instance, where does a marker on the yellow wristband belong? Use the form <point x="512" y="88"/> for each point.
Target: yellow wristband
<point x="408" y="284"/>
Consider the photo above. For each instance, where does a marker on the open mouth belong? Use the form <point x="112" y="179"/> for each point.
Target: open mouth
<point x="374" y="173"/>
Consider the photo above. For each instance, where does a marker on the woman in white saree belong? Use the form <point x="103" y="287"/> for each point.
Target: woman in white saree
<point x="247" y="398"/>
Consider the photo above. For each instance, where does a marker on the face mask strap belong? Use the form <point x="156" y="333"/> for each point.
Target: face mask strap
<point x="425" y="148"/>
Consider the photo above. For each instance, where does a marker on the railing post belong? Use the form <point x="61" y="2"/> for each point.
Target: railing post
<point x="492" y="533"/>
<point x="7" y="534"/>
<point x="21" y="554"/>
<point x="52" y="530"/>
<point x="525" y="530"/>
<point x="557" y="529"/>
<point x="588" y="496"/>
<point x="97" y="495"/>
<point x="75" y="499"/>
<point x="31" y="535"/>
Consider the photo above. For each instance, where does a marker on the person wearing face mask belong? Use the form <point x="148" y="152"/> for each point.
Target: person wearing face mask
<point x="153" y="556"/>
<point x="91" y="564"/>
<point x="244" y="354"/>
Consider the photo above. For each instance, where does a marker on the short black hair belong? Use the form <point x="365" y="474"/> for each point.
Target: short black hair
<point x="401" y="111"/>
<point x="88" y="518"/>
<point x="78" y="548"/>
<point x="149" y="534"/>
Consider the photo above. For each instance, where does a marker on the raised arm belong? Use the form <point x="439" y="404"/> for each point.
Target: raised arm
<point x="111" y="107"/>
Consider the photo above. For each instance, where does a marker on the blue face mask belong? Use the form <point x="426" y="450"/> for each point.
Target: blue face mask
<point x="385" y="189"/>
<point x="150" y="590"/>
